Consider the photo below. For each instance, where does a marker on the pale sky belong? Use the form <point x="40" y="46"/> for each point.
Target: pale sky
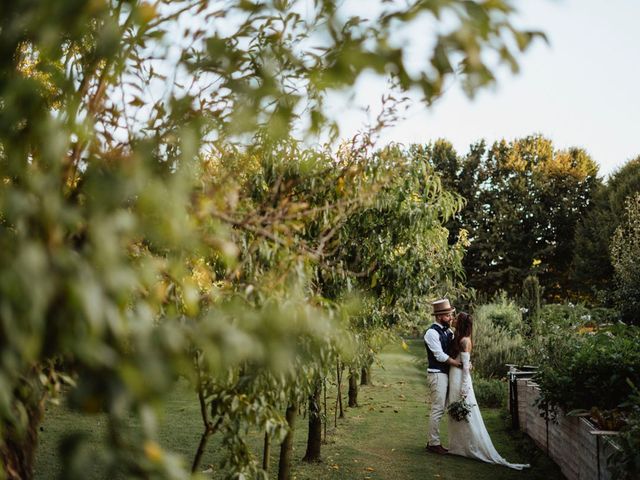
<point x="583" y="89"/>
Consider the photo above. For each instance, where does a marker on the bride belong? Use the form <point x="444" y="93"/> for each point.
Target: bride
<point x="469" y="439"/>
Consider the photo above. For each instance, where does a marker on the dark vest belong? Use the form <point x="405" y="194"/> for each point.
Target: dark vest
<point x="445" y="341"/>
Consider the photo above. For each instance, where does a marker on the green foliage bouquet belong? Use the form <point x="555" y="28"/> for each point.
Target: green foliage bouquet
<point x="460" y="410"/>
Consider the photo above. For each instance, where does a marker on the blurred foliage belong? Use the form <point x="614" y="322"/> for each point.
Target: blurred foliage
<point x="157" y="220"/>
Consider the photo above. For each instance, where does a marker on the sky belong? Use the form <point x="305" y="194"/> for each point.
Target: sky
<point x="580" y="90"/>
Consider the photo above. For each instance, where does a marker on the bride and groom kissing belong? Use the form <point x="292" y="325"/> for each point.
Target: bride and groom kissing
<point x="449" y="379"/>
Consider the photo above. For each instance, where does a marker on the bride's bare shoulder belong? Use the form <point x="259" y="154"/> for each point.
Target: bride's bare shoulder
<point x="465" y="344"/>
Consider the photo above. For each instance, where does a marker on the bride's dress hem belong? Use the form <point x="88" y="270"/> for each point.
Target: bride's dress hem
<point x="471" y="439"/>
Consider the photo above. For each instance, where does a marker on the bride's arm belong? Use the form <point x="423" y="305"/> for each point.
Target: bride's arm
<point x="465" y="356"/>
<point x="466" y="373"/>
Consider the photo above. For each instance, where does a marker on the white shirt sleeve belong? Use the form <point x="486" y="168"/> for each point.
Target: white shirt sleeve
<point x="433" y="342"/>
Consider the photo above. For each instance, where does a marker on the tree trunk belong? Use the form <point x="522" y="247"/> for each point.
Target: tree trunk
<point x="326" y="413"/>
<point x="286" y="447"/>
<point x="353" y="388"/>
<point x="339" y="370"/>
<point x="209" y="430"/>
<point x="18" y="445"/>
<point x="266" y="452"/>
<point x="209" y="427"/>
<point x="365" y="378"/>
<point x="314" y="438"/>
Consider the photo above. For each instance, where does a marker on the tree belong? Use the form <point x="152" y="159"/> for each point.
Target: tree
<point x="531" y="300"/>
<point x="395" y="252"/>
<point x="523" y="200"/>
<point x="458" y="174"/>
<point x="538" y="195"/>
<point x="592" y="267"/>
<point x="625" y="248"/>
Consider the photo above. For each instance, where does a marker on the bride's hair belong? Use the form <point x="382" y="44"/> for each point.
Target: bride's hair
<point x="464" y="328"/>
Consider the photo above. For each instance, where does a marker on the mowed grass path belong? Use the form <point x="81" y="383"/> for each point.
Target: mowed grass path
<point x="383" y="438"/>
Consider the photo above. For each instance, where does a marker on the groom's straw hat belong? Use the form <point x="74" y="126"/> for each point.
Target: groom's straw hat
<point x="442" y="306"/>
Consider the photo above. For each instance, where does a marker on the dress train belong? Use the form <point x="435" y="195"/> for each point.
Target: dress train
<point x="471" y="439"/>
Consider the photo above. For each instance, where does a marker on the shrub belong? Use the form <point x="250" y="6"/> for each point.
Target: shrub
<point x="556" y="331"/>
<point x="624" y="463"/>
<point x="594" y="372"/>
<point x="561" y="327"/>
<point x="497" y="338"/>
<point x="602" y="315"/>
<point x="531" y="301"/>
<point x="563" y="316"/>
<point x="570" y="316"/>
<point x="490" y="392"/>
<point x="503" y="313"/>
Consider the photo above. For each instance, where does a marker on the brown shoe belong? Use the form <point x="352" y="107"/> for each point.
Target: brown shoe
<point x="438" y="449"/>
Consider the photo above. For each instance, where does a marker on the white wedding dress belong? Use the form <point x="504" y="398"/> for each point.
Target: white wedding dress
<point x="471" y="439"/>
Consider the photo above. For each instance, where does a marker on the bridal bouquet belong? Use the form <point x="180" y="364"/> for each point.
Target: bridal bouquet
<point x="460" y="410"/>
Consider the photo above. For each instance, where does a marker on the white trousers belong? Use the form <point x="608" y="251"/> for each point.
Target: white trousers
<point x="438" y="383"/>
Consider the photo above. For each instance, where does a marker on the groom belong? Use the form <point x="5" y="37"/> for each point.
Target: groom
<point x="437" y="340"/>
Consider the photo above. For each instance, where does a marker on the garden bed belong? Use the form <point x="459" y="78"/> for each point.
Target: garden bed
<point x="572" y="442"/>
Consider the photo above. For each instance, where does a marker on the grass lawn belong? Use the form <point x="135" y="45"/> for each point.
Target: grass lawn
<point x="383" y="438"/>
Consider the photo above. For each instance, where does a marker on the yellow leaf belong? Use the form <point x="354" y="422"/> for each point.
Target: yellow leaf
<point x="153" y="451"/>
<point x="147" y="12"/>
